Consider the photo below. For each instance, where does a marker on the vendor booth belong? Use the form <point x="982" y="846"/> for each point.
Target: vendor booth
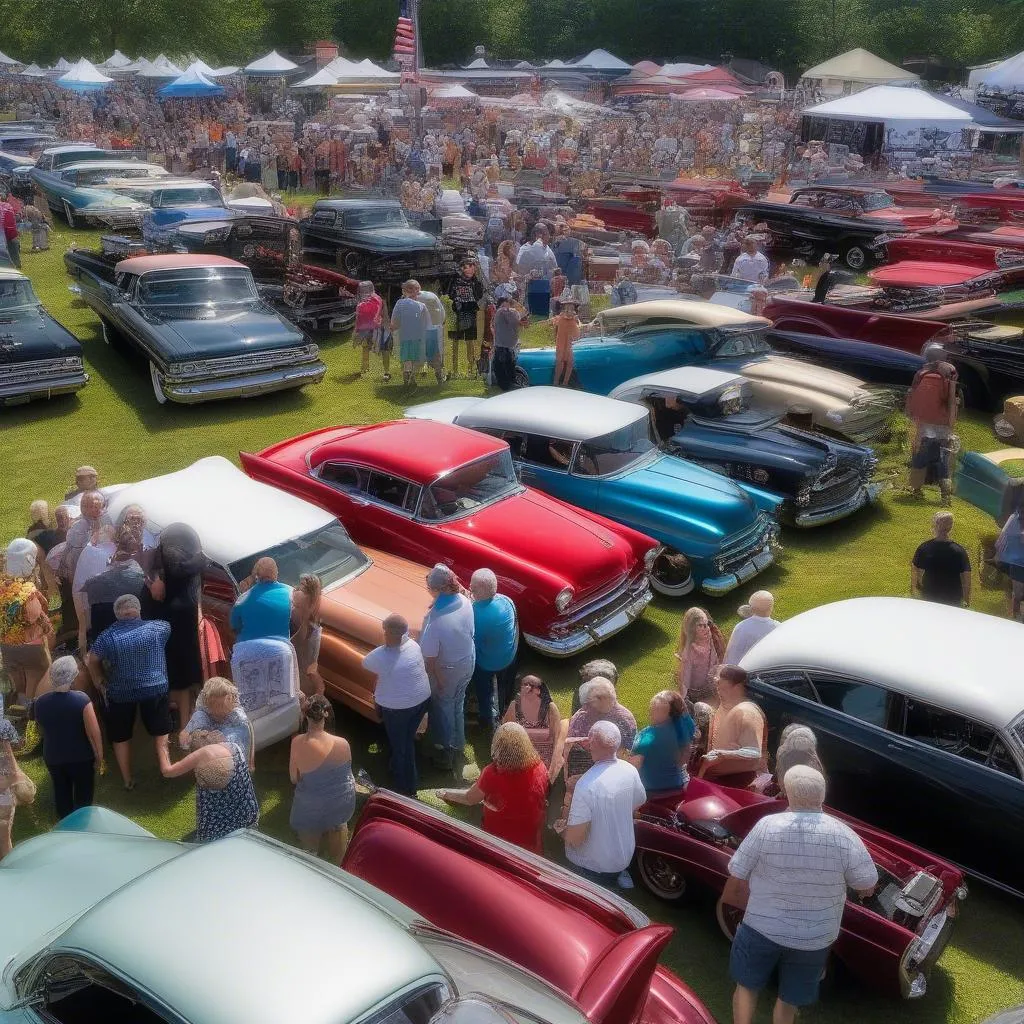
<point x="852" y="72"/>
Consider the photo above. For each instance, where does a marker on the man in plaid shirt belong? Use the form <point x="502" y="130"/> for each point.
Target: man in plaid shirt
<point x="128" y="665"/>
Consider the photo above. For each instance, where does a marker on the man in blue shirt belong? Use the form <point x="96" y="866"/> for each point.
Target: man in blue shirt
<point x="263" y="612"/>
<point x="129" y="668"/>
<point x="496" y="639"/>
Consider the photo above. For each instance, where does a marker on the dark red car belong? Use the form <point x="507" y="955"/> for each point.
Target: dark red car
<point x="633" y="210"/>
<point x="888" y="942"/>
<point x="433" y="492"/>
<point x="591" y="946"/>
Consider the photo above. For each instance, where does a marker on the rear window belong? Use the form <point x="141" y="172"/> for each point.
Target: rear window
<point x="863" y="701"/>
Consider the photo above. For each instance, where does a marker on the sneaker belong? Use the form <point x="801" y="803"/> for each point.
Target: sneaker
<point x="387" y="377"/>
<point x="625" y="880"/>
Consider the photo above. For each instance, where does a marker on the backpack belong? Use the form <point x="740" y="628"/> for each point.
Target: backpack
<point x="929" y="399"/>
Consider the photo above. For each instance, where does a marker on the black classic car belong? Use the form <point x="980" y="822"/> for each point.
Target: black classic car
<point x="314" y="297"/>
<point x="199" y="321"/>
<point x="38" y="357"/>
<point x="372" y="239"/>
<point x="15" y="170"/>
<point x="710" y="417"/>
<point x="835" y="219"/>
<point x="920" y="726"/>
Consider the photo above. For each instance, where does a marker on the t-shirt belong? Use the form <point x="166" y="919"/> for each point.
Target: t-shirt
<point x="435" y="308"/>
<point x="401" y="675"/>
<point x="606" y="796"/>
<point x="745" y="634"/>
<point x="448" y="630"/>
<point x="661" y="746"/>
<point x="798" y="865"/>
<point x="92" y="561"/>
<point x="59" y="715"/>
<point x="752" y="267"/>
<point x="496" y="632"/>
<point x="521" y="801"/>
<point x="506" y="328"/>
<point x="942" y="562"/>
<point x="263" y="612"/>
<point x="411" y="318"/>
<point x="368" y="313"/>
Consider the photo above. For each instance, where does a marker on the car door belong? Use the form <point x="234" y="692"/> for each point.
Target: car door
<point x="543" y="462"/>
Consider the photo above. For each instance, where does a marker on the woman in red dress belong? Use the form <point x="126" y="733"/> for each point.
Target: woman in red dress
<point x="513" y="789"/>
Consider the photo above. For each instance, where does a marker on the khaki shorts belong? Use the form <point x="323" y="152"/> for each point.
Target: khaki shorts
<point x="25" y="657"/>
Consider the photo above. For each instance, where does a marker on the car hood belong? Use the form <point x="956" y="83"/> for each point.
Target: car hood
<point x="33" y="334"/>
<point x="100" y="198"/>
<point x="358" y="607"/>
<point x="670" y="494"/>
<point x="782" y="370"/>
<point x="227" y="332"/>
<point x="180" y="214"/>
<point x="560" y="541"/>
<point x="793" y="451"/>
<point x="399" y="239"/>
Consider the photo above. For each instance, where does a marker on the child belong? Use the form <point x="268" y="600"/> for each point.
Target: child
<point x="39" y="227"/>
<point x="369" y="326"/>
<point x="567" y="332"/>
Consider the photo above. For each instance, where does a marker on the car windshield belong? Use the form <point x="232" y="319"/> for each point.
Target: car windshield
<point x="102" y="175"/>
<point x="878" y="201"/>
<point x="328" y="553"/>
<point x="16" y="293"/>
<point x="190" y="197"/>
<point x="470" y="487"/>
<point x="376" y="217"/>
<point x="743" y="341"/>
<point x="616" y="451"/>
<point x="81" y="156"/>
<point x="197" y="288"/>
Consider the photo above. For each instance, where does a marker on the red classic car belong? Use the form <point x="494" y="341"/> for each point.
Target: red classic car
<point x="889" y="941"/>
<point x="927" y="261"/>
<point x="596" y="950"/>
<point x="707" y="200"/>
<point x="632" y="209"/>
<point x="435" y="492"/>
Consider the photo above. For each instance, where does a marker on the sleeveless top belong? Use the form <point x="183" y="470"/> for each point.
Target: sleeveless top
<point x="539" y="733"/>
<point x="325" y="798"/>
<point x="221" y="811"/>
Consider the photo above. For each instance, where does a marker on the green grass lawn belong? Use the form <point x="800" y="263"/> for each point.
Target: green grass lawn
<point x="116" y="424"/>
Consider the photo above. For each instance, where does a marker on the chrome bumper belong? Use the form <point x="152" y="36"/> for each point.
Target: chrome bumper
<point x="243" y="386"/>
<point x="26" y="391"/>
<point x="603" y="625"/>
<point x="718" y="585"/>
<point x="820" y="517"/>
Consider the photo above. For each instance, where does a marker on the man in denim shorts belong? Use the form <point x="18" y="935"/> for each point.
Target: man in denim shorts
<point x="791" y="873"/>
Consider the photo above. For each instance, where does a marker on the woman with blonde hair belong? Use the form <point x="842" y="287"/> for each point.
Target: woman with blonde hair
<point x="219" y="709"/>
<point x="700" y="653"/>
<point x="306" y="632"/>
<point x="25" y="628"/>
<point x="513" y="789"/>
<point x="538" y="714"/>
<point x="320" y="766"/>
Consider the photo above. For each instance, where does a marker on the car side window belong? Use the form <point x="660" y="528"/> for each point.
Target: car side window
<point x="324" y="216"/>
<point x="690" y="342"/>
<point x="955" y="734"/>
<point x="793" y="682"/>
<point x="1001" y="759"/>
<point x="393" y="490"/>
<point x="126" y="283"/>
<point x="344" y="476"/>
<point x="547" y="451"/>
<point x="863" y="701"/>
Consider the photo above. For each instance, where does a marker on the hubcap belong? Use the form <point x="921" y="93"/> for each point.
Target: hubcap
<point x="661" y="876"/>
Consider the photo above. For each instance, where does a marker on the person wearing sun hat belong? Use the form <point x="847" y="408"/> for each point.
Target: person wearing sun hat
<point x="755" y="623"/>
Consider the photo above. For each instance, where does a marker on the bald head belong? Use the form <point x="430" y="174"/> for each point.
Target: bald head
<point x="265" y="570"/>
<point x="762" y="603"/>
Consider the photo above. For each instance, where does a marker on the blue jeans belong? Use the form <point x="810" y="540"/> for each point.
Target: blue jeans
<point x="448" y="705"/>
<point x="483" y="687"/>
<point x="400" y="725"/>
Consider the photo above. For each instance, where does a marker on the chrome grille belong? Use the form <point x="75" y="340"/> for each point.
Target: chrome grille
<point x="38" y="369"/>
<point x="739" y="548"/>
<point x="250" y="361"/>
<point x="835" y="489"/>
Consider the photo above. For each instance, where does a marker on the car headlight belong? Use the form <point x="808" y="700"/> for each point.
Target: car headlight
<point x="73" y="362"/>
<point x="563" y="599"/>
<point x="652" y="556"/>
<point x="310" y="351"/>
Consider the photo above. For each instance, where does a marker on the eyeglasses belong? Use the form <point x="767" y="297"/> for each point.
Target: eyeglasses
<point x="530" y="686"/>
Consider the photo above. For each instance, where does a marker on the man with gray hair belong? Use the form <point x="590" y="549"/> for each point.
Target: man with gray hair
<point x="128" y="665"/>
<point x="791" y="874"/>
<point x="941" y="569"/>
<point x="449" y="652"/>
<point x="755" y="624"/>
<point x="72" y="743"/>
<point x="598" y="830"/>
<point x="496" y="638"/>
<point x="402" y="696"/>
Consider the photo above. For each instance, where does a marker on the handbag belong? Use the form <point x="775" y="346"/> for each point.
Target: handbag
<point x="23" y="789"/>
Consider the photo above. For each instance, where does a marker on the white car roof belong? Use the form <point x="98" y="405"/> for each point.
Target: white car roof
<point x="444" y="410"/>
<point x="960" y="660"/>
<point x="694" y="380"/>
<point x="554" y="412"/>
<point x="234" y="515"/>
<point x="700" y="314"/>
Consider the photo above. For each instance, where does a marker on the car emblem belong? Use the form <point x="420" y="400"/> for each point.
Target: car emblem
<point x="760" y="476"/>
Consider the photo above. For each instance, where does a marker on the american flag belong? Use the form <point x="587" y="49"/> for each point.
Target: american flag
<point x="406" y="47"/>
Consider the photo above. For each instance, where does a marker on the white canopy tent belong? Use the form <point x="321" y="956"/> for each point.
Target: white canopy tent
<point x="117" y="61"/>
<point x="8" y="62"/>
<point x="157" y="68"/>
<point x="205" y="69"/>
<point x="453" y="92"/>
<point x="602" y="60"/>
<point x="854" y="70"/>
<point x="321" y="80"/>
<point x="272" y="64"/>
<point x="476" y="64"/>
<point x="62" y="65"/>
<point x="84" y="77"/>
<point x="1006" y="76"/>
<point x="33" y="71"/>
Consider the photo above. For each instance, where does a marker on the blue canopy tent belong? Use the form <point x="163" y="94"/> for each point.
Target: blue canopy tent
<point x="83" y="77"/>
<point x="191" y="83"/>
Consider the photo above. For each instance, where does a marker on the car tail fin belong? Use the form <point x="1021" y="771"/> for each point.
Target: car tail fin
<point x="616" y="986"/>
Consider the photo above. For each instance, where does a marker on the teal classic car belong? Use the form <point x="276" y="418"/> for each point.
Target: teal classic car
<point x="598" y="453"/>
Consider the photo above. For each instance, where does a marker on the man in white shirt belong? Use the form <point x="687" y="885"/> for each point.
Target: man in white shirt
<point x="791" y="873"/>
<point x="751" y="264"/>
<point x="757" y="623"/>
<point x="537" y="257"/>
<point x="402" y="696"/>
<point x="598" y="831"/>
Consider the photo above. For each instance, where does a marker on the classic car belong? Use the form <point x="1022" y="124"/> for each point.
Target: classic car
<point x="176" y="202"/>
<point x="631" y="209"/>
<point x="372" y="239"/>
<point x="833" y="218"/>
<point x="582" y="941"/>
<point x="200" y="323"/>
<point x="433" y="492"/>
<point x="16" y="175"/>
<point x="240" y="520"/>
<point x="888" y="941"/>
<point x="626" y="341"/>
<point x="707" y="200"/>
<point x="710" y="417"/>
<point x="27" y="140"/>
<point x="927" y="261"/>
<point x="989" y="357"/>
<point x="315" y="298"/>
<point x="55" y="177"/>
<point x="77" y="954"/>
<point x="38" y="357"/>
<point x="598" y="453"/>
<point x="919" y="724"/>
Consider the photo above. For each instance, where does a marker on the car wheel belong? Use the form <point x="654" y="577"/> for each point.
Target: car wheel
<point x="660" y="875"/>
<point x="729" y="918"/>
<point x="672" y="574"/>
<point x="158" y="388"/>
<point x="69" y="215"/>
<point x="856" y="257"/>
<point x="520" y="378"/>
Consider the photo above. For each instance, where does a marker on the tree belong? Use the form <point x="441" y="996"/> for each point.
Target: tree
<point x="292" y="24"/>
